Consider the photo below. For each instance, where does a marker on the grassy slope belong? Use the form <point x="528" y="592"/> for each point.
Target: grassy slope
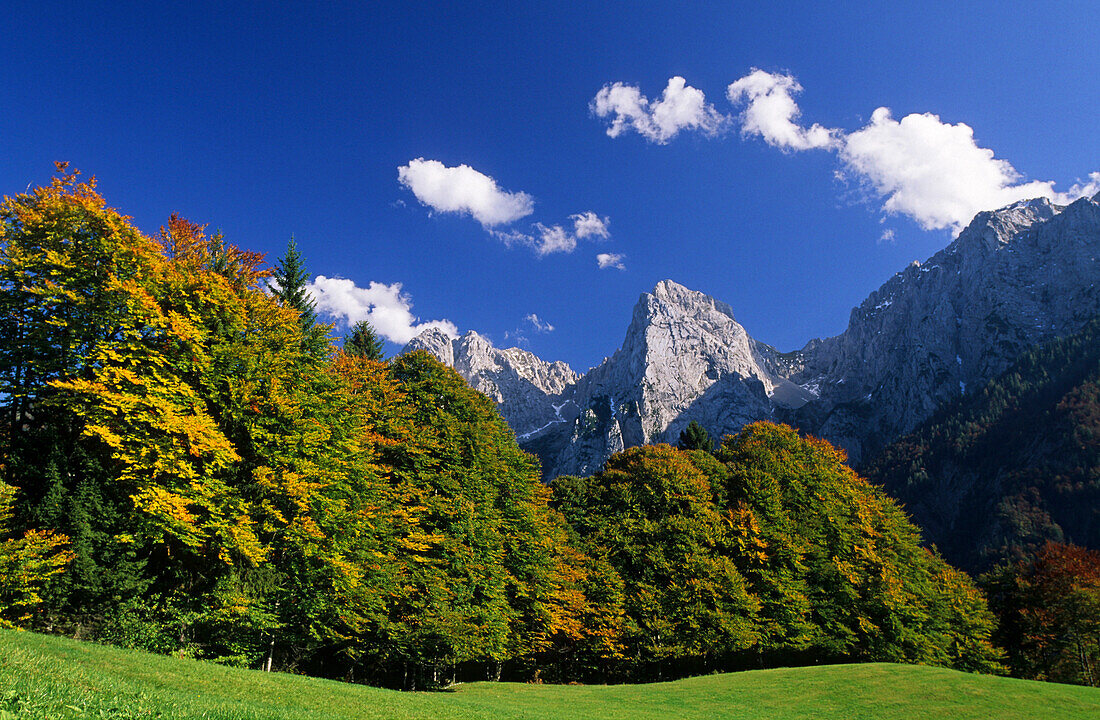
<point x="46" y="677"/>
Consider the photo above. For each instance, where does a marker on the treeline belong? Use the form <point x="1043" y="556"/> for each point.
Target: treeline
<point x="772" y="551"/>
<point x="190" y="467"/>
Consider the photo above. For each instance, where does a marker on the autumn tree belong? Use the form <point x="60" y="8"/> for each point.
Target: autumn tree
<point x="837" y="565"/>
<point x="211" y="469"/>
<point x="652" y="513"/>
<point x="247" y="459"/>
<point x="27" y="562"/>
<point x="67" y="267"/>
<point x="484" y="565"/>
<point x="1049" y="610"/>
<point x="771" y="552"/>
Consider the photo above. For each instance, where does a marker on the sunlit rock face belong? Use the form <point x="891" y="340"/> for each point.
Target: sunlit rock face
<point x="530" y="393"/>
<point x="1013" y="278"/>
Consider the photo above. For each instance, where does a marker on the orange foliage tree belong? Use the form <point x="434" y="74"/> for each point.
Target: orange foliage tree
<point x="1049" y="609"/>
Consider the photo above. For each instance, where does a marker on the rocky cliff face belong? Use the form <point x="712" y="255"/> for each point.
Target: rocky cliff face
<point x="1013" y="278"/>
<point x="530" y="393"/>
<point x="684" y="358"/>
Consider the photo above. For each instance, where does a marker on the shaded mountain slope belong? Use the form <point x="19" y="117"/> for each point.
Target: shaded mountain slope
<point x="997" y="473"/>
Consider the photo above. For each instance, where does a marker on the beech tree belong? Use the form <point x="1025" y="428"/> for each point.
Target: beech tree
<point x="166" y="415"/>
<point x="67" y="267"/>
<point x="772" y="552"/>
<point x="652" y="511"/>
<point x="1049" y="610"/>
<point x="484" y="563"/>
<point x="838" y="566"/>
<point x="27" y="562"/>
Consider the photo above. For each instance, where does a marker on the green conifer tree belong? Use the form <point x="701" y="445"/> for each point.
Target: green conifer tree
<point x="694" y="437"/>
<point x="291" y="278"/>
<point x="290" y="289"/>
<point x="363" y="341"/>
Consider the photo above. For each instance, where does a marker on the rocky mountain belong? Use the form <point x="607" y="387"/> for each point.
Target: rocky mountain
<point x="530" y="393"/>
<point x="1013" y="278"/>
<point x="684" y="358"/>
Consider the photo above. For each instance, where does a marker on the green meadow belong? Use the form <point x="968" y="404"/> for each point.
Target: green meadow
<point x="50" y="677"/>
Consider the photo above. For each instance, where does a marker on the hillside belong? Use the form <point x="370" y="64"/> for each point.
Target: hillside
<point x="999" y="472"/>
<point x="48" y="677"/>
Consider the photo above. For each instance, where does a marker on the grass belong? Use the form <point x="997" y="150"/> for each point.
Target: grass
<point x="56" y="678"/>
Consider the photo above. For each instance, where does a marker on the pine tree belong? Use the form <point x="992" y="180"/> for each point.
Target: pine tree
<point x="694" y="437"/>
<point x="363" y="341"/>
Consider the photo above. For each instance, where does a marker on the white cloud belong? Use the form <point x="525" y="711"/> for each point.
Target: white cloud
<point x="610" y="260"/>
<point x="548" y="239"/>
<point x="1080" y="190"/>
<point x="935" y="172"/>
<point x="771" y="112"/>
<point x="887" y="236"/>
<point x="681" y="107"/>
<point x="554" y="239"/>
<point x="464" y="190"/>
<point x="512" y="238"/>
<point x="384" y="306"/>
<point x="540" y="326"/>
<point x="589" y="224"/>
<point x="931" y="171"/>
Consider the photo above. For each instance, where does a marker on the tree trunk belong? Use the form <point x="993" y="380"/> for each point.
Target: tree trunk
<point x="1082" y="658"/>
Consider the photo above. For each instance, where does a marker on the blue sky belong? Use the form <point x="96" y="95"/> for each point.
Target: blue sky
<point x="348" y="126"/>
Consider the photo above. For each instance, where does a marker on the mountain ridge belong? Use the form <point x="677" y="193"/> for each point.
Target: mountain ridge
<point x="1013" y="278"/>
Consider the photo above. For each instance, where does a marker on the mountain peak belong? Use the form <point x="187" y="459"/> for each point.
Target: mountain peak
<point x="435" y="341"/>
<point x="669" y="287"/>
<point x="527" y="389"/>
<point x="669" y="297"/>
<point x="1016" y="276"/>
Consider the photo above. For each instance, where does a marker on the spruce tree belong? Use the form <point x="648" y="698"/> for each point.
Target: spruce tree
<point x="363" y="341"/>
<point x="291" y="278"/>
<point x="694" y="437"/>
<point x="290" y="289"/>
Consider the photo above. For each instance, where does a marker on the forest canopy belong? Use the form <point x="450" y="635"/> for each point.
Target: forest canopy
<point x="189" y="467"/>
